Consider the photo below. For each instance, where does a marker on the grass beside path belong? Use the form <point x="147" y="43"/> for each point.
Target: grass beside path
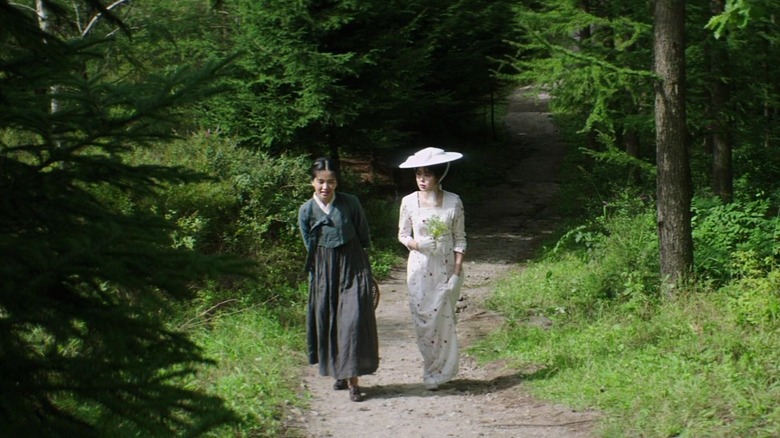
<point x="689" y="366"/>
<point x="256" y="371"/>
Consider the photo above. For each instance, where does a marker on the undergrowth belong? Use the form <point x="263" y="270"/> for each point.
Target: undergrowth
<point x="257" y="362"/>
<point x="703" y="362"/>
<point x="252" y="328"/>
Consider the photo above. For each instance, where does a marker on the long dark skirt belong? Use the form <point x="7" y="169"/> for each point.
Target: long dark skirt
<point x="341" y="324"/>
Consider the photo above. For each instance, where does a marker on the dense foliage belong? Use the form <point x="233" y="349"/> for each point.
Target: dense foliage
<point x="141" y="142"/>
<point x="334" y="77"/>
<point x="596" y="60"/>
<point x="587" y="326"/>
<point x="87" y="283"/>
<point x="589" y="321"/>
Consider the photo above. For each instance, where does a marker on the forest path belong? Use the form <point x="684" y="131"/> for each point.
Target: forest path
<point x="483" y="401"/>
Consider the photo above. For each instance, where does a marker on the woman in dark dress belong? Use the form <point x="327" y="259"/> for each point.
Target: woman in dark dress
<point x="341" y="324"/>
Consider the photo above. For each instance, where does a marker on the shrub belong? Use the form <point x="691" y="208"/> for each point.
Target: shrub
<point x="721" y="230"/>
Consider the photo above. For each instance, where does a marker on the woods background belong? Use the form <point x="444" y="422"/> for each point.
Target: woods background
<point x="153" y="155"/>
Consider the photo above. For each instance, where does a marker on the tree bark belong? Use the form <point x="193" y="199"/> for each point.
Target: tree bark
<point x="633" y="149"/>
<point x="45" y="26"/>
<point x="674" y="174"/>
<point x="722" y="171"/>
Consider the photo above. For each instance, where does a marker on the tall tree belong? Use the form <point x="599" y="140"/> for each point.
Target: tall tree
<point x="86" y="282"/>
<point x="673" y="183"/>
<point x="721" y="132"/>
<point x="749" y="31"/>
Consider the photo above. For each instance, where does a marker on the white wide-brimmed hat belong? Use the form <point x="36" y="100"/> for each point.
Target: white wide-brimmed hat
<point x="429" y="157"/>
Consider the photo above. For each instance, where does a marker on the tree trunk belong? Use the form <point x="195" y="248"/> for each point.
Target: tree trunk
<point x="674" y="174"/>
<point x="633" y="149"/>
<point x="591" y="141"/>
<point x="722" y="172"/>
<point x="54" y="90"/>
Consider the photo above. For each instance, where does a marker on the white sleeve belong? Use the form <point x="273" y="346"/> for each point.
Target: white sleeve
<point x="459" y="227"/>
<point x="405" y="224"/>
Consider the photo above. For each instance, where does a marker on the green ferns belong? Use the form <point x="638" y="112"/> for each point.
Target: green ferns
<point x="722" y="231"/>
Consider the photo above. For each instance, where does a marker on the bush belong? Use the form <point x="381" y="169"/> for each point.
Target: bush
<point x="704" y="360"/>
<point x="721" y="230"/>
<point x="754" y="298"/>
<point x="620" y="248"/>
<point x="248" y="208"/>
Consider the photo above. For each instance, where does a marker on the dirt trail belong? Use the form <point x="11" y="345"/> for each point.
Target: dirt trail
<point x="487" y="401"/>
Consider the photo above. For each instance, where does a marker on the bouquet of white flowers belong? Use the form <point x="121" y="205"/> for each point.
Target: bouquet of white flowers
<point x="436" y="227"/>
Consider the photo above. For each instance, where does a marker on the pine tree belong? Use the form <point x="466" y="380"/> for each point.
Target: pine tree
<point x="86" y="282"/>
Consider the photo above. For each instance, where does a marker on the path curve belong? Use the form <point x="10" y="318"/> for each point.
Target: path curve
<point x="487" y="401"/>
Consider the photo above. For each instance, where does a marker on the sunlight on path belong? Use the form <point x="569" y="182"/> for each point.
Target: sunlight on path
<point x="484" y="401"/>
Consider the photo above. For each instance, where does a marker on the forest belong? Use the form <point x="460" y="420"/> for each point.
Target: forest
<point x="153" y="156"/>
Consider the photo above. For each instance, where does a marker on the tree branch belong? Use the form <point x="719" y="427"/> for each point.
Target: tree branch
<point x="95" y="19"/>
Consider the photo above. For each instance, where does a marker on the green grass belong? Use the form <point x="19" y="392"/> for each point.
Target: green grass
<point x="690" y="366"/>
<point x="257" y="369"/>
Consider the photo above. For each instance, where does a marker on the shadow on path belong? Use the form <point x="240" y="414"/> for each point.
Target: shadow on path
<point x="504" y="230"/>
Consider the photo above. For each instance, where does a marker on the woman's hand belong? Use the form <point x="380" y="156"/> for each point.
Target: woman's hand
<point x="455" y="282"/>
<point x="425" y="245"/>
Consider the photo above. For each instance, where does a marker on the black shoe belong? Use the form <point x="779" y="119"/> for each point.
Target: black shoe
<point x="354" y="394"/>
<point x="340" y="384"/>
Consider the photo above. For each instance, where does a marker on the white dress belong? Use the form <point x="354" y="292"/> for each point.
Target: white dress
<point x="431" y="303"/>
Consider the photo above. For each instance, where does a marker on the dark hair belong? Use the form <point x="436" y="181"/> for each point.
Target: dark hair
<point x="324" y="163"/>
<point x="437" y="169"/>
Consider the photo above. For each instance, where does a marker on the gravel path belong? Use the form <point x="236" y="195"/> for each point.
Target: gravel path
<point x="483" y="401"/>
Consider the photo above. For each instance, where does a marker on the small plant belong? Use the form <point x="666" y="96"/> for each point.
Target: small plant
<point x="436" y="227"/>
<point x="188" y="227"/>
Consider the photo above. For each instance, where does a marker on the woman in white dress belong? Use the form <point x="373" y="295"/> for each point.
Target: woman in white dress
<point x="432" y="227"/>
